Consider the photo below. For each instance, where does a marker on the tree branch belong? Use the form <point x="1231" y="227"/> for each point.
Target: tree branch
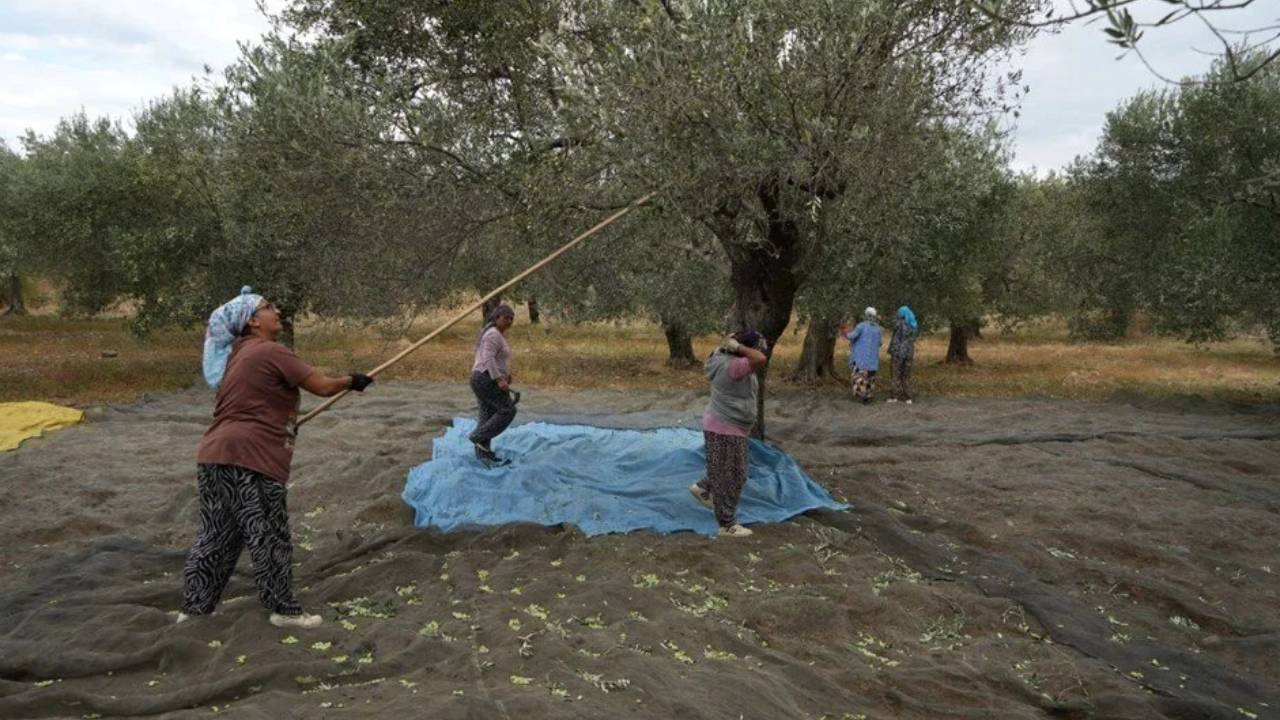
<point x="1124" y="31"/>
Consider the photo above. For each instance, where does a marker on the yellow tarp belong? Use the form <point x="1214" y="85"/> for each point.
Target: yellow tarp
<point x="22" y="420"/>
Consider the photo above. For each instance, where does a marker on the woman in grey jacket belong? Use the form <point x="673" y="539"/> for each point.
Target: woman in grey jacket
<point x="726" y="424"/>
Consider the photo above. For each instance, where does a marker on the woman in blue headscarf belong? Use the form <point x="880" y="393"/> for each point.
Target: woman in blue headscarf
<point x="902" y="350"/>
<point x="244" y="457"/>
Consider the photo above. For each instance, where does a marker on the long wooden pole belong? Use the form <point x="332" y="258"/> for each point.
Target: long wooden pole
<point x="495" y="293"/>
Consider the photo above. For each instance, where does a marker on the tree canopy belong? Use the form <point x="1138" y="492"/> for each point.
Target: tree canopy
<point x="1183" y="190"/>
<point x="364" y="159"/>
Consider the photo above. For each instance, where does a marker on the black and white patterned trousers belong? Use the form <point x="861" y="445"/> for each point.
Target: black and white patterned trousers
<point x="496" y="408"/>
<point x="726" y="474"/>
<point x="238" y="508"/>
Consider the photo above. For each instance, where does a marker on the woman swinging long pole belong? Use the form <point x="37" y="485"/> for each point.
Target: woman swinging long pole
<point x="495" y="293"/>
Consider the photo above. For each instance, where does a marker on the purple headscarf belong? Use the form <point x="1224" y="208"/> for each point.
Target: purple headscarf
<point x="751" y="338"/>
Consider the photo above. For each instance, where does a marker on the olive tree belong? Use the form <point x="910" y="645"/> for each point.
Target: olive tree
<point x="12" y="247"/>
<point x="80" y="189"/>
<point x="1183" y="192"/>
<point x="752" y="115"/>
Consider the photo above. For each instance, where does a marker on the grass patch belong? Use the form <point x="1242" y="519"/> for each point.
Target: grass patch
<point x="96" y="361"/>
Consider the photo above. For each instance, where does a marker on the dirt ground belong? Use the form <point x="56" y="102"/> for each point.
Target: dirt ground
<point x="1004" y="559"/>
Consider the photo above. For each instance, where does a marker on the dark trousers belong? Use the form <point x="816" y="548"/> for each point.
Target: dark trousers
<point x="901" y="377"/>
<point x="726" y="474"/>
<point x="239" y="507"/>
<point x="496" y="408"/>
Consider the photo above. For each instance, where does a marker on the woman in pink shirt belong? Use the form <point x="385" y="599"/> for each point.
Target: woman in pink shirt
<point x="725" y="425"/>
<point x="491" y="382"/>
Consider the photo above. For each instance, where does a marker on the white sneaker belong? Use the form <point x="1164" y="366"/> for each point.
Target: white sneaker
<point x="701" y="496"/>
<point x="734" y="531"/>
<point x="908" y="402"/>
<point x="891" y="400"/>
<point x="303" y="620"/>
<point x="184" y="617"/>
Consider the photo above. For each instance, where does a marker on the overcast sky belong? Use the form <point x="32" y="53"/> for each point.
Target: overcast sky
<point x="110" y="57"/>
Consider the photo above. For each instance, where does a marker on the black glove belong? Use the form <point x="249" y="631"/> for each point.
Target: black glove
<point x="360" y="381"/>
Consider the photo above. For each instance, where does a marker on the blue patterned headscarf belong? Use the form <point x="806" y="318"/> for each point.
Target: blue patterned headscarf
<point x="225" y="325"/>
<point x="908" y="317"/>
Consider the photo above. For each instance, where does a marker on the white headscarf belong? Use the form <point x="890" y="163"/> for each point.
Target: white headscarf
<point x="225" y="325"/>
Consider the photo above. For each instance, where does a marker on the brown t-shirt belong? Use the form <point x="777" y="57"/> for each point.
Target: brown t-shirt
<point x="257" y="406"/>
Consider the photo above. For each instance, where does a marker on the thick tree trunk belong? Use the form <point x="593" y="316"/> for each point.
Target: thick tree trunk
<point x="679" y="344"/>
<point x="486" y="310"/>
<point x="16" y="304"/>
<point x="1118" y="322"/>
<point x="958" y="346"/>
<point x="763" y="277"/>
<point x="818" y="356"/>
<point x="535" y="315"/>
<point x="286" y="334"/>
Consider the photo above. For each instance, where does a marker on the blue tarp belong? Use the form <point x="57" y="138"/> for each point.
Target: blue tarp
<point x="601" y="480"/>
